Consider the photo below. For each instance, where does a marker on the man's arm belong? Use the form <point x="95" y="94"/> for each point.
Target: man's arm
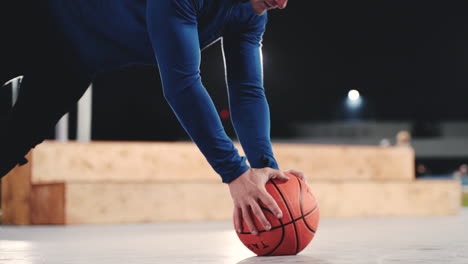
<point x="248" y="104"/>
<point x="172" y="27"/>
<point x="251" y="119"/>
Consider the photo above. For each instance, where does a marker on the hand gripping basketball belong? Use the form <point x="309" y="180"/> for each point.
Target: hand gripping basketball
<point x="247" y="191"/>
<point x="295" y="230"/>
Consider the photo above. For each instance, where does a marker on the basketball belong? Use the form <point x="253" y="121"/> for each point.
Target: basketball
<point x="295" y="230"/>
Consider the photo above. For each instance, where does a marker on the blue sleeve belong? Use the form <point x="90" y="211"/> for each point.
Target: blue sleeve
<point x="172" y="27"/>
<point x="248" y="104"/>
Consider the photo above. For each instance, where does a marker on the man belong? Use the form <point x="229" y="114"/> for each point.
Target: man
<point x="61" y="45"/>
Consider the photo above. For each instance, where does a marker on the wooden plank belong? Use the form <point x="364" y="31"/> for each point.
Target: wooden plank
<point x="48" y="204"/>
<point x="342" y="162"/>
<point x="131" y="203"/>
<point x="175" y="162"/>
<point x="16" y="192"/>
<point x="393" y="198"/>
<point x="155" y="202"/>
<point x="120" y="162"/>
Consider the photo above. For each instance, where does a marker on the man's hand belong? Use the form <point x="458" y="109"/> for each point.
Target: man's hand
<point x="248" y="189"/>
<point x="297" y="173"/>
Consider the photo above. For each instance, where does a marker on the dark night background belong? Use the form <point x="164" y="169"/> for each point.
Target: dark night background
<point x="407" y="59"/>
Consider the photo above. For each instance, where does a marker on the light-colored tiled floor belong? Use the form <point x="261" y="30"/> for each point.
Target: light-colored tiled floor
<point x="358" y="241"/>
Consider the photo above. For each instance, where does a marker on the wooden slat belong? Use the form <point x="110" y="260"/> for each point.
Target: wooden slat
<point x="365" y="198"/>
<point x="16" y="193"/>
<point x="344" y="162"/>
<point x="130" y="203"/>
<point x="120" y="162"/>
<point x="175" y="162"/>
<point x="154" y="202"/>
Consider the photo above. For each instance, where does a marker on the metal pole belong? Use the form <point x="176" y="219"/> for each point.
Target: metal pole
<point x="61" y="129"/>
<point x="83" y="133"/>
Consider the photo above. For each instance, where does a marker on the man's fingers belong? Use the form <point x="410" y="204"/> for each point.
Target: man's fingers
<point x="271" y="204"/>
<point x="259" y="215"/>
<point x="248" y="220"/>
<point x="278" y="175"/>
<point x="238" y="219"/>
<point x="298" y="174"/>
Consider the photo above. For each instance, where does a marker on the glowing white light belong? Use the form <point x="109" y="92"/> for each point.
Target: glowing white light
<point x="353" y="95"/>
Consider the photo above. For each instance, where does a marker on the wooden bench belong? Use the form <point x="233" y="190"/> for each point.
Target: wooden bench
<point x="123" y="182"/>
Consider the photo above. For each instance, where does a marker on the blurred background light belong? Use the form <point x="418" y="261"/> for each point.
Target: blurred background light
<point x="353" y="95"/>
<point x="353" y="104"/>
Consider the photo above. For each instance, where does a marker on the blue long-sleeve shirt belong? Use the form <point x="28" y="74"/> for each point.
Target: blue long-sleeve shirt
<point x="113" y="33"/>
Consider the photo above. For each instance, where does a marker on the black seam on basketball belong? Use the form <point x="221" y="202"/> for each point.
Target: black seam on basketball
<point x="282" y="225"/>
<point x="282" y="234"/>
<point x="282" y="231"/>
<point x="302" y="212"/>
<point x="290" y="214"/>
<point x="300" y="205"/>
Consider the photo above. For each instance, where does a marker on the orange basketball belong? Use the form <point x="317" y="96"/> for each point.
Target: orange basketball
<point x="292" y="233"/>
